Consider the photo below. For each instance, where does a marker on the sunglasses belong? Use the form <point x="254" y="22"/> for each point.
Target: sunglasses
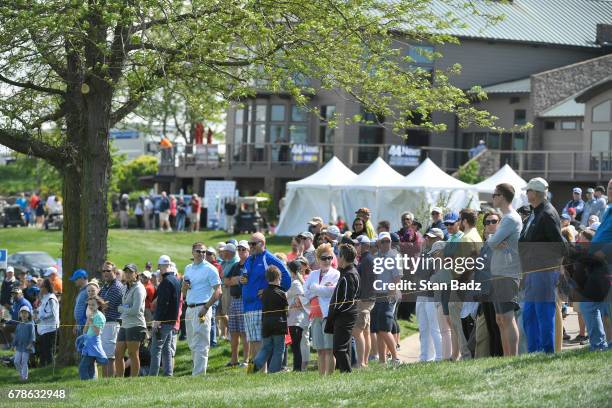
<point x="495" y="195"/>
<point x="241" y="249"/>
<point x="327" y="258"/>
<point x="199" y="251"/>
<point x="107" y="270"/>
<point x="489" y="222"/>
<point x="253" y="243"/>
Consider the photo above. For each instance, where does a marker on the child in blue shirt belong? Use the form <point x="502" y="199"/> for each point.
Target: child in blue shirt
<point x="90" y="343"/>
<point x="24" y="342"/>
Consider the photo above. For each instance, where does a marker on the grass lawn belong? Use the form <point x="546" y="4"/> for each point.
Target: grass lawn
<point x="125" y="246"/>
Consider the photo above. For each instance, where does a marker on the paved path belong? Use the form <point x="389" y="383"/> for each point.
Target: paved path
<point x="410" y="346"/>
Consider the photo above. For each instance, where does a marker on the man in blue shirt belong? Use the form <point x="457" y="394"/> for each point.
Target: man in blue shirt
<point x="602" y="241"/>
<point x="112" y="292"/>
<point x="201" y="288"/>
<point x="79" y="277"/>
<point x="253" y="284"/>
<point x="599" y="207"/>
<point x="576" y="202"/>
<point x="436" y="222"/>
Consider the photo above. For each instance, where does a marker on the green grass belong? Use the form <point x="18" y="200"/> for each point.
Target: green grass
<point x="125" y="246"/>
<point x="567" y="379"/>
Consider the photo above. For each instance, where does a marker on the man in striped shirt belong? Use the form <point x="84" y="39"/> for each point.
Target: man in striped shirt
<point x="112" y="292"/>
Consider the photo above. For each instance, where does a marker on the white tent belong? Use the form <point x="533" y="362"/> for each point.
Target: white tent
<point x="316" y="195"/>
<point x="505" y="175"/>
<point x="425" y="187"/>
<point x="365" y="190"/>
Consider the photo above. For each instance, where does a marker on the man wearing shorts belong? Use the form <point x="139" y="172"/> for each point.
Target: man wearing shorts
<point x="236" y="318"/>
<point x="505" y="268"/>
<point x="201" y="288"/>
<point x="112" y="292"/>
<point x="253" y="284"/>
<point x="365" y="303"/>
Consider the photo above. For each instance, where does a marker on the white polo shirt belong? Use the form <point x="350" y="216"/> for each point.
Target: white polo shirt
<point x="203" y="277"/>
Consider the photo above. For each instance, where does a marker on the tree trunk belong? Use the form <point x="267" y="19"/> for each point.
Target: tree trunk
<point x="85" y="208"/>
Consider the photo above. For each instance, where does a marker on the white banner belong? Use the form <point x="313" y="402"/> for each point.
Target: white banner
<point x="215" y="194"/>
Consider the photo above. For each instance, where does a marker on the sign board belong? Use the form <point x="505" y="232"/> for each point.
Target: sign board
<point x="3" y="258"/>
<point x="123" y="134"/>
<point x="206" y="154"/>
<point x="400" y="155"/>
<point x="304" y="154"/>
<point x="215" y="194"/>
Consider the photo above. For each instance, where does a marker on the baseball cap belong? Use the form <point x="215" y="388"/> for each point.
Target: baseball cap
<point x="130" y="267"/>
<point x="417" y="224"/>
<point x="164" y="260"/>
<point x="435" y="233"/>
<point x="451" y="218"/>
<point x="243" y="244"/>
<point x="577" y="190"/>
<point x="590" y="190"/>
<point x="363" y="210"/>
<point x="10" y="269"/>
<point x="537" y="184"/>
<point x="384" y="235"/>
<point x="50" y="271"/>
<point x="78" y="274"/>
<point x="363" y="239"/>
<point x="306" y="234"/>
<point x="566" y="217"/>
<point x="437" y="246"/>
<point x="294" y="266"/>
<point x="436" y="210"/>
<point x="147" y="274"/>
<point x="333" y="230"/>
<point x="27" y="309"/>
<point x="17" y="291"/>
<point x="211" y="250"/>
<point x="315" y="221"/>
<point x="232" y="241"/>
<point x="230" y="247"/>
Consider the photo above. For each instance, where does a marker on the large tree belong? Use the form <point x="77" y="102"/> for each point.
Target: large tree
<point x="81" y="66"/>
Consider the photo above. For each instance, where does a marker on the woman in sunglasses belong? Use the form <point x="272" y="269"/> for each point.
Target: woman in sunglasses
<point x="319" y="288"/>
<point x="358" y="228"/>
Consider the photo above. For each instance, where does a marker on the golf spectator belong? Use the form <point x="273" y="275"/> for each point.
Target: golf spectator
<point x="124" y="208"/>
<point x="364" y="213"/>
<point x="541" y="256"/>
<point x="296" y="249"/>
<point x="599" y="207"/>
<point x="149" y="208"/>
<point x="358" y="228"/>
<point x="164" y="212"/>
<point x="32" y="291"/>
<point x="236" y="319"/>
<point x="23" y="342"/>
<point x="601" y="243"/>
<point x="308" y="249"/>
<point x="172" y="211"/>
<point x="383" y="313"/>
<point x="366" y="296"/>
<point x="230" y="211"/>
<point x="589" y="202"/>
<point x="55" y="279"/>
<point x="436" y="222"/>
<point x="6" y="298"/>
<point x="139" y="212"/>
<point x="411" y="241"/>
<point x="297" y="318"/>
<point x="79" y="277"/>
<point x="505" y="268"/>
<point x="18" y="301"/>
<point x="319" y="288"/>
<point x="181" y="214"/>
<point x="343" y="311"/>
<point x="576" y="202"/>
<point x="112" y="293"/>
<point x="217" y="314"/>
<point x="194" y="215"/>
<point x="274" y="323"/>
<point x="253" y="283"/>
<point x="201" y="289"/>
<point x="133" y="328"/>
<point x="90" y="343"/>
<point x="166" y="313"/>
<point x="146" y="280"/>
<point x="47" y="322"/>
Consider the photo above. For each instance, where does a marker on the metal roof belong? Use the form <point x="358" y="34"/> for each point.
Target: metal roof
<point x="568" y="108"/>
<point x="561" y="22"/>
<point x="518" y="86"/>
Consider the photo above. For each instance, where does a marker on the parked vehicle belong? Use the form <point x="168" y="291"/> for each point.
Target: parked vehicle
<point x="13" y="216"/>
<point x="32" y="262"/>
<point x="249" y="219"/>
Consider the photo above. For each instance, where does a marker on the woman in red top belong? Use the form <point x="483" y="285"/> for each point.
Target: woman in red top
<point x="145" y="278"/>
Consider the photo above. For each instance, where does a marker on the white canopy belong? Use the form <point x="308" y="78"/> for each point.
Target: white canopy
<point x="505" y="175"/>
<point x="317" y="195"/>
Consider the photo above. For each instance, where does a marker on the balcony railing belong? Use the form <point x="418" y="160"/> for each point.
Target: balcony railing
<point x="555" y="164"/>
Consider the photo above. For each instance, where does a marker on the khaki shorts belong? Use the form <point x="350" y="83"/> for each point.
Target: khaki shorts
<point x="164" y="216"/>
<point x="194" y="217"/>
<point x="364" y="307"/>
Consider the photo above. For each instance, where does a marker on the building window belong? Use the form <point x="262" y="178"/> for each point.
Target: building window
<point x="298" y="134"/>
<point x="326" y="136"/>
<point x="280" y="145"/>
<point x="369" y="135"/>
<point x="549" y="125"/>
<point x="239" y="118"/>
<point x="520" y="117"/>
<point x="493" y="141"/>
<point x="421" y="54"/>
<point x="515" y="99"/>
<point x="568" y="125"/>
<point x="298" y="114"/>
<point x="277" y="113"/>
<point x="600" y="142"/>
<point x="602" y="112"/>
<point x="260" y="113"/>
<point x="519" y="142"/>
<point x="328" y="112"/>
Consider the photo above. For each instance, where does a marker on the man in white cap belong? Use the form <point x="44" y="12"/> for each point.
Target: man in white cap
<point x="576" y="202"/>
<point x="589" y="202"/>
<point x="437" y="222"/>
<point x="541" y="249"/>
<point x="306" y="239"/>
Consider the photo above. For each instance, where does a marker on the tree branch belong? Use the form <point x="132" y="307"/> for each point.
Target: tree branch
<point x="32" y="86"/>
<point x="58" y="114"/>
<point x="23" y="142"/>
<point x="181" y="17"/>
